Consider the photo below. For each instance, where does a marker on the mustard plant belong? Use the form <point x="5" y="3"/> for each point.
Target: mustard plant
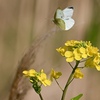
<point x="73" y="51"/>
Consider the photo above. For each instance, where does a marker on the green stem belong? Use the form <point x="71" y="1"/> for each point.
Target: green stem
<point x="40" y="96"/>
<point x="70" y="65"/>
<point x="70" y="79"/>
<point x="58" y="85"/>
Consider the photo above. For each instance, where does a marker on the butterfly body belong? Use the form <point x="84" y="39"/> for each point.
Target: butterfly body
<point x="62" y="18"/>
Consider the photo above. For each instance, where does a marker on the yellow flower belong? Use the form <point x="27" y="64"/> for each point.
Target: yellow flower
<point x="61" y="50"/>
<point x="37" y="77"/>
<point x="79" y="50"/>
<point x="88" y="43"/>
<point x="25" y="73"/>
<point x="80" y="53"/>
<point x="89" y="63"/>
<point x="97" y="66"/>
<point x="30" y="73"/>
<point x="93" y="62"/>
<point x="92" y="50"/>
<point x="77" y="55"/>
<point x="96" y="61"/>
<point x="83" y="52"/>
<point x="97" y="58"/>
<point x="78" y="74"/>
<point x="71" y="43"/>
<point x="42" y="77"/>
<point x="69" y="56"/>
<point x="54" y="75"/>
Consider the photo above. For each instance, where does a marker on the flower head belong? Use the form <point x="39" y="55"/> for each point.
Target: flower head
<point x="80" y="50"/>
<point x="54" y="74"/>
<point x="42" y="77"/>
<point x="37" y="79"/>
<point x="75" y="50"/>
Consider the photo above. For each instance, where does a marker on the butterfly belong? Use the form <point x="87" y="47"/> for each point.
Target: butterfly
<point x="62" y="18"/>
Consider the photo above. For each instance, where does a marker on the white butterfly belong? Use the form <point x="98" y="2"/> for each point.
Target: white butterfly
<point x="62" y="18"/>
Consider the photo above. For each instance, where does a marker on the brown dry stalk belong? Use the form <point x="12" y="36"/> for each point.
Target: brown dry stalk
<point x="18" y="89"/>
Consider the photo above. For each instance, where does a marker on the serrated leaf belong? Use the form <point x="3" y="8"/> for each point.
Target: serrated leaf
<point x="77" y="97"/>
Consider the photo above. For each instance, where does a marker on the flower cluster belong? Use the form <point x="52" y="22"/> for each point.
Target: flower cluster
<point x="78" y="50"/>
<point x="37" y="79"/>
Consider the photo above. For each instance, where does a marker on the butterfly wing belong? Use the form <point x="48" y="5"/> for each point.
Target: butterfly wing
<point x="68" y="12"/>
<point x="58" y="19"/>
<point x="69" y="23"/>
<point x="58" y="14"/>
<point x="60" y="23"/>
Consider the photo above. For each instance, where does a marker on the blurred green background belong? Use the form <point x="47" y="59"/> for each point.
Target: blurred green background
<point x="22" y="21"/>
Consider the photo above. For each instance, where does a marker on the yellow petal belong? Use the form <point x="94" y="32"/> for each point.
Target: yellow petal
<point x="70" y="59"/>
<point x="78" y="74"/>
<point x="68" y="54"/>
<point x="25" y="73"/>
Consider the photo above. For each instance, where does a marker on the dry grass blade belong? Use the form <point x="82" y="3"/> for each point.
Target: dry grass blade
<point x="18" y="89"/>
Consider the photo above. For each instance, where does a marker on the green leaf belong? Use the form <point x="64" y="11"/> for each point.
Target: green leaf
<point x="77" y="97"/>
